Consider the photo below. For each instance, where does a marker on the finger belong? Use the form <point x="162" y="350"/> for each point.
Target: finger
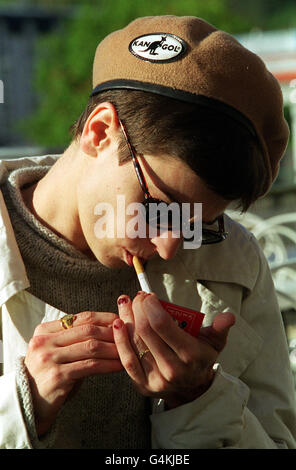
<point x="97" y="318"/>
<point x="223" y="322"/>
<point x="89" y="349"/>
<point x="82" y="333"/>
<point x="216" y="334"/>
<point x="127" y="355"/>
<point x="162" y="324"/>
<point x="164" y="356"/>
<point x="87" y="367"/>
<point x="126" y="314"/>
<point x="125" y="310"/>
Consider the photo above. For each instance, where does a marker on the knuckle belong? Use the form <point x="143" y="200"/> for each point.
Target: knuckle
<point x="92" y="364"/>
<point x="130" y="366"/>
<point x="88" y="330"/>
<point x="92" y="346"/>
<point x="36" y="342"/>
<point x="171" y="374"/>
<point x="159" y="385"/>
<point x="87" y="316"/>
<point x="44" y="358"/>
<point x="55" y="375"/>
<point x="39" y="329"/>
<point x="32" y="343"/>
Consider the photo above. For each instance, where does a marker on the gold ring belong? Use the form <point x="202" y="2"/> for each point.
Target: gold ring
<point x="67" y="321"/>
<point x="141" y="354"/>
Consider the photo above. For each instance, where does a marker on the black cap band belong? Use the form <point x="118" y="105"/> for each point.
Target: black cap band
<point x="181" y="95"/>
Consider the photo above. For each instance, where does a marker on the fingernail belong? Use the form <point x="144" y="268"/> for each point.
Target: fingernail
<point x="122" y="300"/>
<point x="117" y="324"/>
<point x="142" y="292"/>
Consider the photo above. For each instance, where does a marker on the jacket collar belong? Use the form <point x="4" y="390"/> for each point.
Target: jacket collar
<point x="235" y="260"/>
<point x="13" y="277"/>
<point x="7" y="166"/>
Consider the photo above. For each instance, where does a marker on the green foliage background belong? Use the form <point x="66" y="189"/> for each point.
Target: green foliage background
<point x="64" y="58"/>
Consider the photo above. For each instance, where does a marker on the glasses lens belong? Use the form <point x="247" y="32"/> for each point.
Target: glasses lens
<point x="159" y="215"/>
<point x="210" y="236"/>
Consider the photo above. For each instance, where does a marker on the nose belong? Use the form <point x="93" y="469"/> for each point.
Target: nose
<point x="166" y="245"/>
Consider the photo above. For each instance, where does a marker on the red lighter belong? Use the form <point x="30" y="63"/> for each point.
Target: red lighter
<point x="189" y="320"/>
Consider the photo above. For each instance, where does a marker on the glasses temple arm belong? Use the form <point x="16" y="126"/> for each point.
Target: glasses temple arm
<point x="137" y="167"/>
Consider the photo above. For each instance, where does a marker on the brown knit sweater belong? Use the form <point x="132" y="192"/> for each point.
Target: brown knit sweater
<point x="106" y="412"/>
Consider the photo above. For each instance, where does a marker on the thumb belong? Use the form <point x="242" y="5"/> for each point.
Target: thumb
<point x="223" y="322"/>
<point x="217" y="333"/>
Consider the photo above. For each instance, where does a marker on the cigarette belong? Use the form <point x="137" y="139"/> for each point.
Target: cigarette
<point x="143" y="280"/>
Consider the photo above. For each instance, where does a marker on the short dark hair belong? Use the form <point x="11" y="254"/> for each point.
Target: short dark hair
<point x="218" y="149"/>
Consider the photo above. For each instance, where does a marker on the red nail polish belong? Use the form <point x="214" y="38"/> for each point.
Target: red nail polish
<point x="117" y="325"/>
<point x="122" y="300"/>
<point x="143" y="293"/>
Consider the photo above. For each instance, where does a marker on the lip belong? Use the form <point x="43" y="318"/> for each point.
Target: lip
<point x="129" y="258"/>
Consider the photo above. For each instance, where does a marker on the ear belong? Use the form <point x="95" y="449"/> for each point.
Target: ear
<point x="100" y="129"/>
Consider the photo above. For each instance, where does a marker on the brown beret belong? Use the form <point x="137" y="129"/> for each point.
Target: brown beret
<point x="188" y="59"/>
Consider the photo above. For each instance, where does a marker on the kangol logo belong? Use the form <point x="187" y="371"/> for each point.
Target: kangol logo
<point x="158" y="47"/>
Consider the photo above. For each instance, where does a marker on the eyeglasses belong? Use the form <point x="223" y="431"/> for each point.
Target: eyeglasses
<point x="209" y="236"/>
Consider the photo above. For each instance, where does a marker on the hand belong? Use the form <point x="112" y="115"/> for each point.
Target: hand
<point x="57" y="359"/>
<point x="178" y="367"/>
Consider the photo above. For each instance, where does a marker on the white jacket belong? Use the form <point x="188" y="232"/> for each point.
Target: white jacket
<point x="251" y="402"/>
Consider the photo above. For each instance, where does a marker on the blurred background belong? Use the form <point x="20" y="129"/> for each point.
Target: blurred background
<point x="46" y="54"/>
